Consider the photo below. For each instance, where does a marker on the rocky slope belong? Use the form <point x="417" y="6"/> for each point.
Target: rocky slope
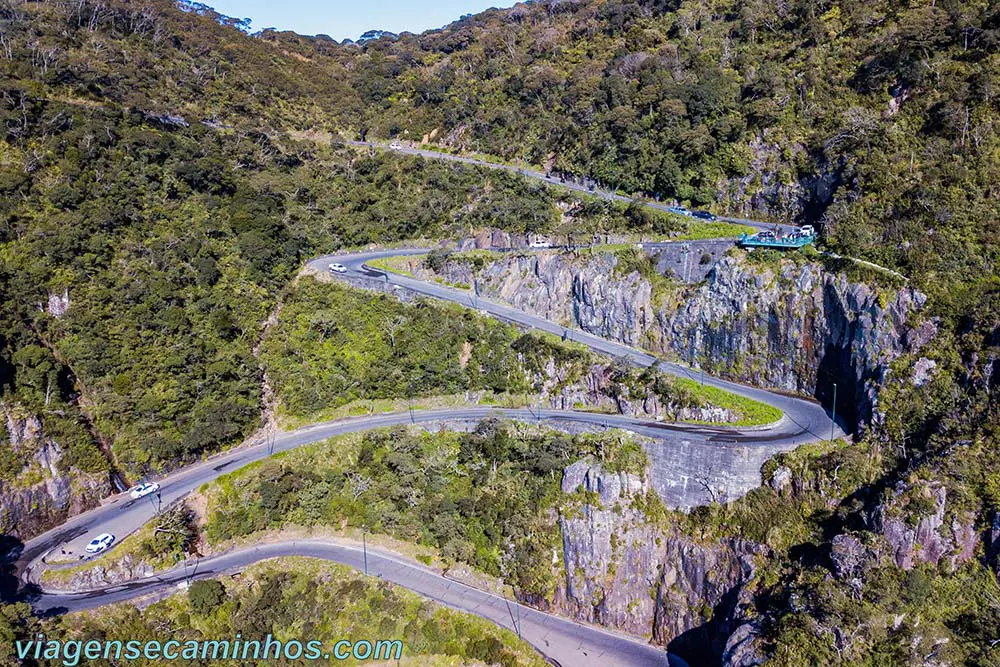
<point x="784" y="324"/>
<point x="625" y="571"/>
<point x="42" y="491"/>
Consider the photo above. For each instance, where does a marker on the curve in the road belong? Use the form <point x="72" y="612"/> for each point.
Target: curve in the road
<point x="803" y="422"/>
<point x="561" y="640"/>
<point x="556" y="181"/>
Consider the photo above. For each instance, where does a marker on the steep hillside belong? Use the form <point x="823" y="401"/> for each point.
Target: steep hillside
<point x="878" y="120"/>
<point x="163" y="175"/>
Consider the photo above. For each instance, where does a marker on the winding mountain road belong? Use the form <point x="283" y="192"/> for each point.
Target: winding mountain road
<point x="555" y="181"/>
<point x="561" y="640"/>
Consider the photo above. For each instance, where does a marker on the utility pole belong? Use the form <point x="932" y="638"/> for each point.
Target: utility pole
<point x="364" y="547"/>
<point x="475" y="294"/>
<point x="833" y="414"/>
<point x="517" y="605"/>
<point x="412" y="418"/>
<point x="155" y="505"/>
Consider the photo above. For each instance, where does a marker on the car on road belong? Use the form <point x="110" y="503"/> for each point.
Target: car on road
<point x="143" y="490"/>
<point x="678" y="210"/>
<point x="395" y="146"/>
<point x="807" y="230"/>
<point x="100" y="543"/>
<point x="766" y="234"/>
<point x="540" y="243"/>
<point x="703" y="215"/>
<point x="338" y="268"/>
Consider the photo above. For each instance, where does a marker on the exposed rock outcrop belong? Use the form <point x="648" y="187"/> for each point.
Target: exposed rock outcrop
<point x="919" y="528"/>
<point x="44" y="492"/>
<point x="125" y="569"/>
<point x="787" y="325"/>
<point x="625" y="572"/>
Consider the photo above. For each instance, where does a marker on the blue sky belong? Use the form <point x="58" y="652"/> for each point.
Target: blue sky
<point x="342" y="20"/>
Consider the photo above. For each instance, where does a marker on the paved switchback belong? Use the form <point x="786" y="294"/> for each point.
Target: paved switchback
<point x="561" y="640"/>
<point x="805" y="420"/>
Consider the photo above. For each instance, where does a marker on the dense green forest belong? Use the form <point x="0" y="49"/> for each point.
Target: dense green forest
<point x="876" y="119"/>
<point x="163" y="175"/>
<point x="333" y="346"/>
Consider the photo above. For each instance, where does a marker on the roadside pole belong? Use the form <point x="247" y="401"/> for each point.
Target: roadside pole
<point x="156" y="505"/>
<point x="517" y="605"/>
<point x="364" y="547"/>
<point x="833" y="414"/>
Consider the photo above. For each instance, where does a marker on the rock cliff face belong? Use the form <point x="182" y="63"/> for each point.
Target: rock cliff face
<point x="787" y="325"/>
<point x="43" y="492"/>
<point x="625" y="572"/>
<point x="798" y="328"/>
<point x="920" y="528"/>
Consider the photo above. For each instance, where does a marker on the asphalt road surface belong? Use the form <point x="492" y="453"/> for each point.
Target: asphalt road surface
<point x="557" y="181"/>
<point x="563" y="641"/>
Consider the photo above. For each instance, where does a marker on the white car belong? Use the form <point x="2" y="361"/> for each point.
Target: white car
<point x="143" y="490"/>
<point x="807" y="230"/>
<point x="100" y="543"/>
<point x="540" y="243"/>
<point x="395" y="146"/>
<point x="338" y="268"/>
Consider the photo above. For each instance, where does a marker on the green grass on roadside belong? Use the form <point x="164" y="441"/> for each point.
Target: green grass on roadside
<point x="750" y="412"/>
<point x="159" y="543"/>
<point x="394" y="264"/>
<point x="698" y="230"/>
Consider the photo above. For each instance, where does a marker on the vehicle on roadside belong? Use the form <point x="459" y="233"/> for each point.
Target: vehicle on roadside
<point x="338" y="268"/>
<point x="395" y="146"/>
<point x="143" y="490"/>
<point x="540" y="243"/>
<point x="703" y="215"/>
<point x="807" y="230"/>
<point x="766" y="234"/>
<point x="100" y="543"/>
<point x="678" y="210"/>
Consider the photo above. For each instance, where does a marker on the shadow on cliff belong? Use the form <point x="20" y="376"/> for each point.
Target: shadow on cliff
<point x="704" y="644"/>
<point x="10" y="551"/>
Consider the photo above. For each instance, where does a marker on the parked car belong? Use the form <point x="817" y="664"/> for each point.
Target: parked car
<point x="679" y="210"/>
<point x="807" y="230"/>
<point x="540" y="243"/>
<point x="704" y="215"/>
<point x="395" y="146"/>
<point x="143" y="490"/>
<point x="766" y="234"/>
<point x="338" y="268"/>
<point x="100" y="543"/>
